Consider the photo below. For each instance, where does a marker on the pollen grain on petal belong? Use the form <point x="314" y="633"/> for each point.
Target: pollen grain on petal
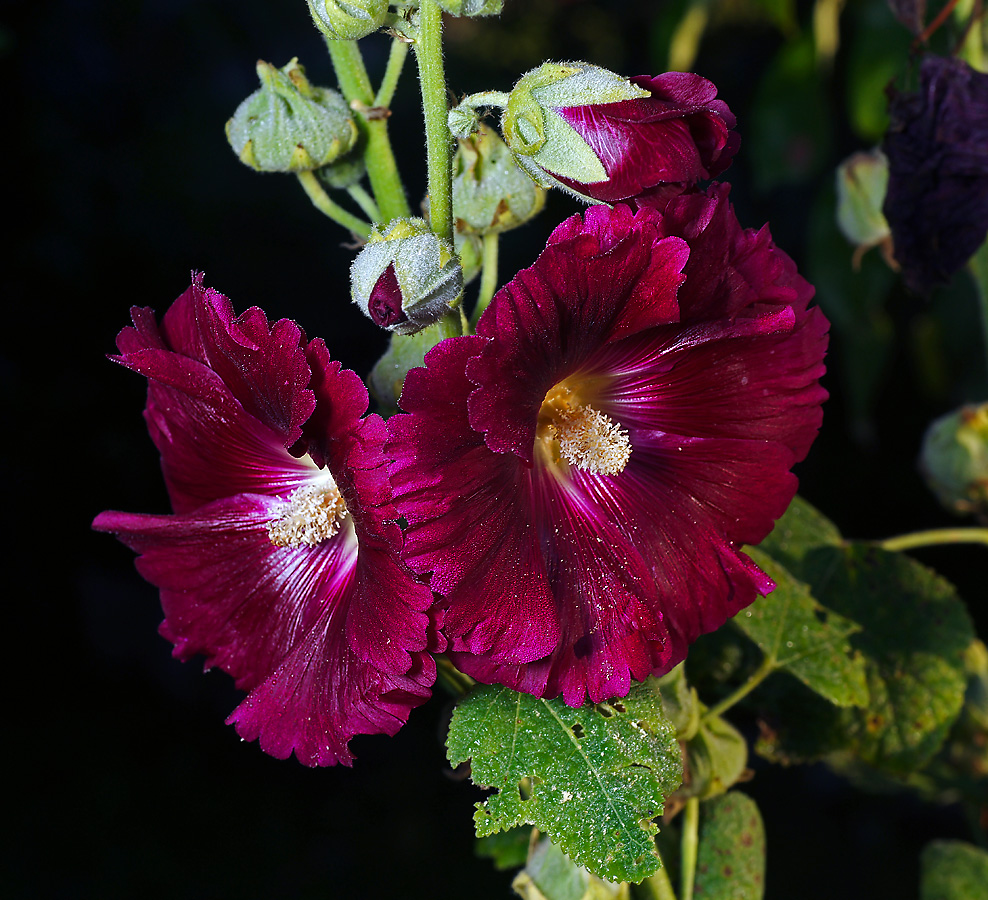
<point x="312" y="514"/>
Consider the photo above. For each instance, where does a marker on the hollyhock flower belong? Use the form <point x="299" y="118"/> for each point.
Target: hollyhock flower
<point x="937" y="146"/>
<point x="579" y="476"/>
<point x="280" y="562"/>
<point x="606" y="138"/>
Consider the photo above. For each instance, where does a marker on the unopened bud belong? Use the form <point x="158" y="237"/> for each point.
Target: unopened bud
<point x="406" y="277"/>
<point x="348" y="20"/>
<point x="862" y="180"/>
<point x="954" y="460"/>
<point x="288" y="125"/>
<point x="472" y="7"/>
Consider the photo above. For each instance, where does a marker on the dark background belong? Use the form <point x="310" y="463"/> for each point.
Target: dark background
<point x="122" y="780"/>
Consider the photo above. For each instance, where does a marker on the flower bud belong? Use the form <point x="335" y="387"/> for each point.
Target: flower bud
<point x="954" y="460"/>
<point x="861" y="182"/>
<point x="472" y="7"/>
<point x="491" y="193"/>
<point x="608" y="138"/>
<point x="288" y="125"/>
<point x="348" y="20"/>
<point x="406" y="277"/>
<point x="345" y="171"/>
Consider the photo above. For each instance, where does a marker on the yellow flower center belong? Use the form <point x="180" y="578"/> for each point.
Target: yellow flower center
<point x="573" y="431"/>
<point x="312" y="514"/>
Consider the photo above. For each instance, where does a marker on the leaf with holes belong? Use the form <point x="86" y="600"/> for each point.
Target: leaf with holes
<point x="796" y="633"/>
<point x="730" y="864"/>
<point x="591" y="778"/>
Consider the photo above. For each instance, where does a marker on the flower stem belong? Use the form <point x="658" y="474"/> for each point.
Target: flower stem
<point x="438" y="140"/>
<point x="488" y="275"/>
<point x="365" y="201"/>
<point x="321" y="201"/>
<point x="766" y="668"/>
<point x="978" y="265"/>
<point x="382" y="170"/>
<point x="689" y="846"/>
<point x="659" y="886"/>
<point x="396" y="62"/>
<point x="934" y="537"/>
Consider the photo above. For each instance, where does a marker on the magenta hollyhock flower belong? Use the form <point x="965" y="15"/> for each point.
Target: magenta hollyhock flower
<point x="579" y="476"/>
<point x="650" y="147"/>
<point x="280" y="563"/>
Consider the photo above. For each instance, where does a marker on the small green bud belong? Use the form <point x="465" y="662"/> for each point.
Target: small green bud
<point x="472" y="7"/>
<point x="491" y="193"/>
<point x="345" y="171"/>
<point x="405" y="352"/>
<point x="406" y="277"/>
<point x="954" y="460"/>
<point x="289" y="125"/>
<point x="862" y="180"/>
<point x="543" y="140"/>
<point x="348" y="20"/>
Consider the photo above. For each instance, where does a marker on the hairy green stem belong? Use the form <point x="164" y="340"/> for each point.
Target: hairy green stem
<point x="438" y="140"/>
<point x="321" y="201"/>
<point x="382" y="169"/>
<point x="659" y="886"/>
<point x="365" y="201"/>
<point x="934" y="537"/>
<point x="396" y="62"/>
<point x="488" y="275"/>
<point x="689" y="845"/>
<point x="766" y="668"/>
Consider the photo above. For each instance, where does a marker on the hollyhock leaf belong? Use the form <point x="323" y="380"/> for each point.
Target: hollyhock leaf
<point x="505" y="849"/>
<point x="801" y="528"/>
<point x="796" y="725"/>
<point x="796" y="633"/>
<point x="952" y="870"/>
<point x="730" y="863"/>
<point x="591" y="778"/>
<point x="914" y="631"/>
<point x="715" y="758"/>
<point x="551" y="875"/>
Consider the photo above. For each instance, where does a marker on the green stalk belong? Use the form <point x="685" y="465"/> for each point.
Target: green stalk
<point x="396" y="62"/>
<point x="766" y="668"/>
<point x="488" y="275"/>
<point x="659" y="886"/>
<point x="321" y="201"/>
<point x="689" y="847"/>
<point x="365" y="201"/>
<point x="438" y="140"/>
<point x="934" y="537"/>
<point x="978" y="265"/>
<point x="382" y="169"/>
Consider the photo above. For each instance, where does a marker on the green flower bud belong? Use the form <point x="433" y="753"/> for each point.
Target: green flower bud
<point x="471" y="252"/>
<point x="472" y="7"/>
<point x="348" y="20"/>
<point x="954" y="460"/>
<point x="862" y="180"/>
<point x="491" y="193"/>
<point x="405" y="352"/>
<point x="543" y="139"/>
<point x="406" y="277"/>
<point x="550" y="874"/>
<point x="345" y="171"/>
<point x="289" y="125"/>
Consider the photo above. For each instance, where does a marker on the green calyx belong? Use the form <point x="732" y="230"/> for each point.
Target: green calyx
<point x="544" y="142"/>
<point x="862" y="180"/>
<point x="491" y="194"/>
<point x="472" y="7"/>
<point x="288" y="125"/>
<point x="954" y="460"/>
<point x="348" y="20"/>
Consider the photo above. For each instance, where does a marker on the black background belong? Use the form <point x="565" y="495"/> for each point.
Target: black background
<point x="122" y="780"/>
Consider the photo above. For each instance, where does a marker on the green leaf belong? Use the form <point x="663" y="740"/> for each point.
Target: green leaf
<point x="552" y="875"/>
<point x="591" y="778"/>
<point x="914" y="631"/>
<point x="796" y="633"/>
<point x="953" y="870"/>
<point x="506" y="849"/>
<point x="716" y="757"/>
<point x="801" y="528"/>
<point x="731" y="860"/>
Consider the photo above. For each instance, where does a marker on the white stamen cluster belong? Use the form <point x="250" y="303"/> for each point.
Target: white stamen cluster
<point x="312" y="513"/>
<point x="591" y="441"/>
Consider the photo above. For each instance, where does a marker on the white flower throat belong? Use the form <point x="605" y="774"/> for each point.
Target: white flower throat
<point x="312" y="514"/>
<point x="581" y="435"/>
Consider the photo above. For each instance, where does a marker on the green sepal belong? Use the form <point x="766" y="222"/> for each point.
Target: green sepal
<point x="715" y="759"/>
<point x="862" y="180"/>
<point x="591" y="778"/>
<point x="288" y="125"/>
<point x="472" y="7"/>
<point x="348" y="20"/>
<point x="405" y="352"/>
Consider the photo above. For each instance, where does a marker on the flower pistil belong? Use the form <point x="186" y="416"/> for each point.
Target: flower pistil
<point x="573" y="431"/>
<point x="312" y="514"/>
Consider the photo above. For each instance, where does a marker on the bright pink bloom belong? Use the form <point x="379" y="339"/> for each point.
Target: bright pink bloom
<point x="280" y="564"/>
<point x="579" y="477"/>
<point x="656" y="147"/>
